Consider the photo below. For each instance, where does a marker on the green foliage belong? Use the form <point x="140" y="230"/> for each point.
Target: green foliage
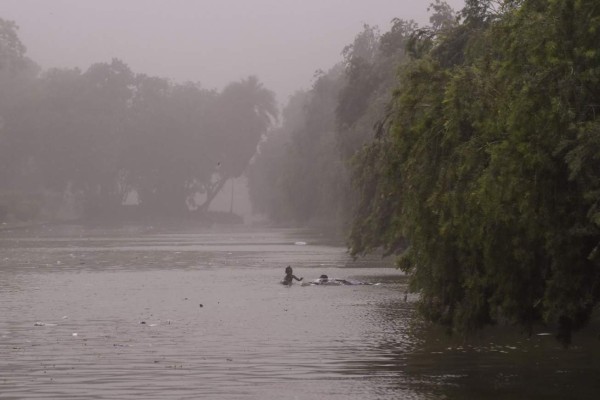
<point x="370" y="68"/>
<point x="493" y="180"/>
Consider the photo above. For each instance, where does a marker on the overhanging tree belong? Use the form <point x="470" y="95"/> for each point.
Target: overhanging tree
<point x="493" y="178"/>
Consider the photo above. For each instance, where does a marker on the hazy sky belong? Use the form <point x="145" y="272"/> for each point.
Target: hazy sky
<point x="213" y="42"/>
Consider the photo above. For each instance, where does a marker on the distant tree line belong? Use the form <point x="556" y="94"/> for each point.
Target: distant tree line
<point x="470" y="149"/>
<point x="302" y="173"/>
<point x="102" y="135"/>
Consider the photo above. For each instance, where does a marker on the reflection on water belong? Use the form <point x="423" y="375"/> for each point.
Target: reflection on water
<point x="144" y="314"/>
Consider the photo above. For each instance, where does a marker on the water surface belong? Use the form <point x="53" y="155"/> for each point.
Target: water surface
<point x="140" y="313"/>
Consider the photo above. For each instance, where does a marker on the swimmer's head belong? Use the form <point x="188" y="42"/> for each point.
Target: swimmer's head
<point x="288" y="270"/>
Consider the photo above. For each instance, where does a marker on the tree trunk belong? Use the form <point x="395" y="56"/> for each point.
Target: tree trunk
<point x="212" y="193"/>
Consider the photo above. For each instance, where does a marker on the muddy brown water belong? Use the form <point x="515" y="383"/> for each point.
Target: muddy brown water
<point x="143" y="313"/>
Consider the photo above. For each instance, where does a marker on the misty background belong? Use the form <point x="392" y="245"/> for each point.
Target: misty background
<point x="212" y="42"/>
<point x="163" y="105"/>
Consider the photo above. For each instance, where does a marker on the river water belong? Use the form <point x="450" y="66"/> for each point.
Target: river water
<point x="146" y="313"/>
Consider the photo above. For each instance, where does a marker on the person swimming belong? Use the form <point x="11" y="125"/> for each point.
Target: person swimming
<point x="327" y="281"/>
<point x="289" y="276"/>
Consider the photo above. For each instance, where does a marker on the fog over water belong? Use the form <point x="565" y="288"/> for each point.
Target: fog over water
<point x="212" y="42"/>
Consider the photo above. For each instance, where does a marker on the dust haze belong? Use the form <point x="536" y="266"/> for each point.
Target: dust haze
<point x="212" y="42"/>
<point x="164" y="104"/>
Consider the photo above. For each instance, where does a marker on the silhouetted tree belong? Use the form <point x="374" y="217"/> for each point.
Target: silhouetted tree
<point x="245" y="111"/>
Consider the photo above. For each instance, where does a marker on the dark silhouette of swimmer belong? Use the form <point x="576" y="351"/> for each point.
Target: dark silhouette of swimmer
<point x="289" y="276"/>
<point x="325" y="280"/>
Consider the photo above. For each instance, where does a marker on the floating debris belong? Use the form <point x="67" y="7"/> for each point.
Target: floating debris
<point x="39" y="323"/>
